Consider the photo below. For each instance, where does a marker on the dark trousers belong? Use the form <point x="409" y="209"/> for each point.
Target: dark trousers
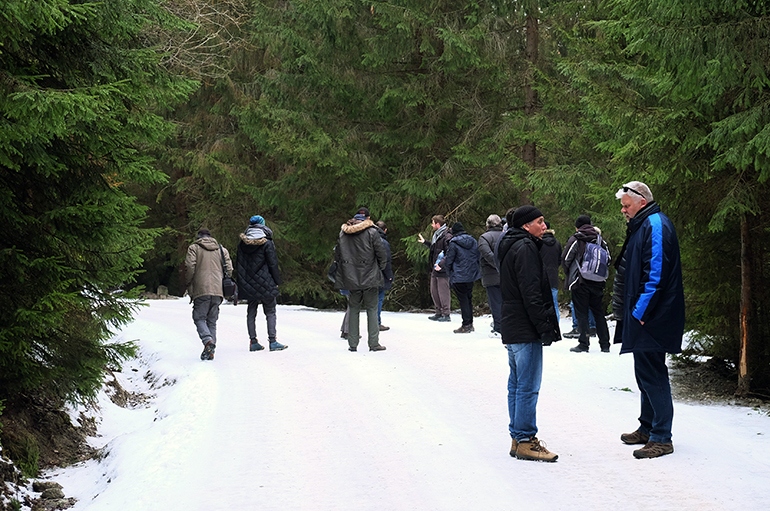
<point x="365" y="299"/>
<point x="588" y="296"/>
<point x="495" y="299"/>
<point x="464" y="293"/>
<point x="657" y="406"/>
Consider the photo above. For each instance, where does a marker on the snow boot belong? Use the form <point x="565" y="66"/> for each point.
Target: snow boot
<point x="277" y="346"/>
<point x="255" y="346"/>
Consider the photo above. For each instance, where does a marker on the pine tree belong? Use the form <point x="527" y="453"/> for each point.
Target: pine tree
<point x="80" y="88"/>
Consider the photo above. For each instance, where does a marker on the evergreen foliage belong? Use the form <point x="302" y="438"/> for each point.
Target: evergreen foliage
<point x="79" y="88"/>
<point x="680" y="92"/>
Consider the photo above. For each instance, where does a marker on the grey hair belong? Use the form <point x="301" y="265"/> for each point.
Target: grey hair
<point x="643" y="191"/>
<point x="494" y="221"/>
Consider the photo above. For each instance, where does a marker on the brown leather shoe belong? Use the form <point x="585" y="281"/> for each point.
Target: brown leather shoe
<point x="379" y="347"/>
<point x="534" y="450"/>
<point x="653" y="450"/>
<point x="637" y="437"/>
<point x="514" y="444"/>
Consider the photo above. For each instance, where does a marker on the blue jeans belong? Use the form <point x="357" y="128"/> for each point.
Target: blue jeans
<point x="591" y="320"/>
<point x="555" y="293"/>
<point x="657" y="406"/>
<point x="495" y="299"/>
<point x="526" y="363"/>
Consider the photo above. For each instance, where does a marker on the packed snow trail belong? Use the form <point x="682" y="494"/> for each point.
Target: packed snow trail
<point x="421" y="426"/>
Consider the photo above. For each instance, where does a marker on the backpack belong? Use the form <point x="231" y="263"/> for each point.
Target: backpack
<point x="595" y="262"/>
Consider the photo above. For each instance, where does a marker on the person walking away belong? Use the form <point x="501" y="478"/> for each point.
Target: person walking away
<point x="258" y="280"/>
<point x="439" y="280"/>
<point x="462" y="265"/>
<point x="551" y="254"/>
<point x="653" y="313"/>
<point x="387" y="273"/>
<point x="490" y="275"/>
<point x="528" y="323"/>
<point x="203" y="277"/>
<point x="586" y="294"/>
<point x="361" y="259"/>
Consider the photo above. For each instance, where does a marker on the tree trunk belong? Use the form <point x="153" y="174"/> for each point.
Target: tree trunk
<point x="529" y="152"/>
<point x="746" y="310"/>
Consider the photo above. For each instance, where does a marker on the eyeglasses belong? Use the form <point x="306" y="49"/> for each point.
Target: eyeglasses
<point x="627" y="189"/>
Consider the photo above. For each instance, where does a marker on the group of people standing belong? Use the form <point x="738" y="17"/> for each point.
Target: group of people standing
<point x="516" y="265"/>
<point x="520" y="262"/>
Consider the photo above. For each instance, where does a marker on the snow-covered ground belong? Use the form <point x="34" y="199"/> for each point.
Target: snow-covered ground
<point x="421" y="426"/>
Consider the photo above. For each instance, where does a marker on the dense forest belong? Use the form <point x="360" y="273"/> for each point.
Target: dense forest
<point x="127" y="125"/>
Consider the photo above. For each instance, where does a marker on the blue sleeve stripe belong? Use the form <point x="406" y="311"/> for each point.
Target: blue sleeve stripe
<point x="656" y="267"/>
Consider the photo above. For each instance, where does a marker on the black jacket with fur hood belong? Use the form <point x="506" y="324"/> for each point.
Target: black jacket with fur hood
<point x="360" y="255"/>
<point x="258" y="274"/>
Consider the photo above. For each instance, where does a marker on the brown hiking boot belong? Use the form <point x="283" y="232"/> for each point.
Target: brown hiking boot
<point x="464" y="329"/>
<point x="637" y="437"/>
<point x="514" y="444"/>
<point x="653" y="450"/>
<point x="533" y="450"/>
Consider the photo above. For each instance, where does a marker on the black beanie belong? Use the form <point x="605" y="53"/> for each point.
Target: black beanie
<point x="457" y="227"/>
<point x="582" y="220"/>
<point x="525" y="214"/>
<point x="204" y="233"/>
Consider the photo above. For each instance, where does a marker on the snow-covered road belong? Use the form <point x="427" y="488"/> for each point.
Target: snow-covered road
<point x="421" y="426"/>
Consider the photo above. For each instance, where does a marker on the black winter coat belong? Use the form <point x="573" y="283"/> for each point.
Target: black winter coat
<point x="360" y="256"/>
<point x="551" y="254"/>
<point x="528" y="314"/>
<point x="462" y="259"/>
<point x="258" y="274"/>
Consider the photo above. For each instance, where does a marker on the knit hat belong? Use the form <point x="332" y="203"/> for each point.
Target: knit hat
<point x="204" y="233"/>
<point x="457" y="227"/>
<point x="582" y="220"/>
<point x="525" y="214"/>
<point x="257" y="219"/>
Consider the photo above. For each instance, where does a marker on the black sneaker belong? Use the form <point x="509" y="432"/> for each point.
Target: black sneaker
<point x="208" y="351"/>
<point x="444" y="319"/>
<point x="435" y="317"/>
<point x="592" y="332"/>
<point x="580" y="348"/>
<point x="352" y="348"/>
<point x="574" y="334"/>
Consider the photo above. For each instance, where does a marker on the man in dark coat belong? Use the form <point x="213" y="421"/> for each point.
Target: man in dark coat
<point x="258" y="280"/>
<point x="551" y="254"/>
<point x="439" y="280"/>
<point x="490" y="275"/>
<point x="462" y="265"/>
<point x="528" y="322"/>
<point x="653" y="313"/>
<point x="586" y="295"/>
<point x="361" y="258"/>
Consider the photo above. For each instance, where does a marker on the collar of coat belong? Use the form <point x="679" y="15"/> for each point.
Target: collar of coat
<point x="354" y="226"/>
<point x="249" y="241"/>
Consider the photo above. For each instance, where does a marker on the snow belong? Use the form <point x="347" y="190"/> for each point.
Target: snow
<point x="421" y="426"/>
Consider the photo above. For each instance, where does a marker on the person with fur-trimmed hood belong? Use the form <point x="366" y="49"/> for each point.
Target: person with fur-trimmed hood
<point x="361" y="259"/>
<point x="203" y="276"/>
<point x="258" y="280"/>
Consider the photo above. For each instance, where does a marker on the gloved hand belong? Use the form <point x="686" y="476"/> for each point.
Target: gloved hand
<point x="546" y="338"/>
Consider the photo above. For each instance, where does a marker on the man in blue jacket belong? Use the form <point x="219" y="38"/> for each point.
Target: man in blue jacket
<point x="462" y="265"/>
<point x="653" y="313"/>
